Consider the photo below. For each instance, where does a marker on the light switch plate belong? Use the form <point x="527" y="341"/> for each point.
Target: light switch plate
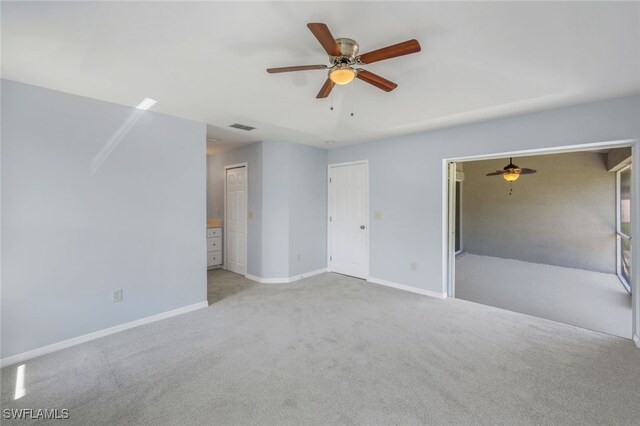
<point x="377" y="215"/>
<point x="250" y="215"/>
<point x="116" y="295"/>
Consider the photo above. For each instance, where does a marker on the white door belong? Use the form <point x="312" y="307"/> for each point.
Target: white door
<point x="348" y="219"/>
<point x="236" y="220"/>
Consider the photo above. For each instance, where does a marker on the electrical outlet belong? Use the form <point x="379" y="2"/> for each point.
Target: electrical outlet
<point x="299" y="258"/>
<point x="413" y="266"/>
<point x="116" y="295"/>
<point x="250" y="214"/>
<point x="377" y="215"/>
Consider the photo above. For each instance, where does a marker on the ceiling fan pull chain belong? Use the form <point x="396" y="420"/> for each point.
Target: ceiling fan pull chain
<point x="353" y="101"/>
<point x="331" y="101"/>
<point x="510" y="188"/>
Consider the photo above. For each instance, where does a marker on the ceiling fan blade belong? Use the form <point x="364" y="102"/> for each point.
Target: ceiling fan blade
<point x="496" y="173"/>
<point x="326" y="89"/>
<point x="322" y="33"/>
<point x="296" y="68"/>
<point x="400" y="49"/>
<point x="376" y="80"/>
<point x="527" y="171"/>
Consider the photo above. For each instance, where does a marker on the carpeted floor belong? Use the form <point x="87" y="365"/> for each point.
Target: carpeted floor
<point x="587" y="299"/>
<point x="336" y="350"/>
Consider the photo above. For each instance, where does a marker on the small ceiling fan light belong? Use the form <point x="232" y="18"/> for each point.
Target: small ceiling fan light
<point x="511" y="176"/>
<point x="342" y="75"/>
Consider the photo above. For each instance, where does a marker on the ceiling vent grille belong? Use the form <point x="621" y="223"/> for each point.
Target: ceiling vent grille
<point x="242" y="127"/>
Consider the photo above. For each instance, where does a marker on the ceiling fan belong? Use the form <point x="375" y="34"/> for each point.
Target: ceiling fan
<point x="511" y="172"/>
<point x="343" y="56"/>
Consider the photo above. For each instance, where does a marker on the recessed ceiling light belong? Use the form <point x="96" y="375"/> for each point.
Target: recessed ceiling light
<point x="212" y="140"/>
<point x="329" y="142"/>
<point x="146" y="104"/>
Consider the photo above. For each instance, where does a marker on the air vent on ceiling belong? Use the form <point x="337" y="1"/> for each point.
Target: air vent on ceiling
<point x="242" y="127"/>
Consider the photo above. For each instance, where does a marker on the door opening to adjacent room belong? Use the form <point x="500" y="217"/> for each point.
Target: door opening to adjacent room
<point x="235" y="218"/>
<point x="554" y="242"/>
<point x="348" y="211"/>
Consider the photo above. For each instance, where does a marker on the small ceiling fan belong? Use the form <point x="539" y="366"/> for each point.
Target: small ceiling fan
<point x="511" y="172"/>
<point x="343" y="56"/>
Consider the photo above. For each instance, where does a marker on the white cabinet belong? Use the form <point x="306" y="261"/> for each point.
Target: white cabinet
<point x="214" y="248"/>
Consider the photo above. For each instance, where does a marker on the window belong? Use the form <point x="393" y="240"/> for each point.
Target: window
<point x="623" y="225"/>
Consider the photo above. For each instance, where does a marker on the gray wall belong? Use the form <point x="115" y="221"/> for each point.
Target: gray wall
<point x="406" y="176"/>
<point x="69" y="236"/>
<point x="251" y="154"/>
<point x="563" y="215"/>
<point x="287" y="195"/>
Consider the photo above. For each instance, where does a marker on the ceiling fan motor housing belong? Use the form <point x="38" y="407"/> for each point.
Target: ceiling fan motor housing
<point x="511" y="168"/>
<point x="349" y="49"/>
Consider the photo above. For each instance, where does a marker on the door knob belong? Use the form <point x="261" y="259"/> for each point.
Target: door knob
<point x="361" y="226"/>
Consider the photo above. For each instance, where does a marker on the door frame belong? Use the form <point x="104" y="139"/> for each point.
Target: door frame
<point x="619" y="234"/>
<point x="348" y="163"/>
<point x="448" y="260"/>
<point x="224" y="217"/>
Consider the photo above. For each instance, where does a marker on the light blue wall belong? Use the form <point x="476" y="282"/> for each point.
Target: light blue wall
<point x="74" y="228"/>
<point x="276" y="172"/>
<point x="294" y="209"/>
<point x="406" y="176"/>
<point x="288" y="198"/>
<point x="307" y="209"/>
<point x="251" y="154"/>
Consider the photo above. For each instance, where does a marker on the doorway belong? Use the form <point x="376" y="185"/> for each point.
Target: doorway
<point x="235" y="218"/>
<point x="545" y="244"/>
<point x="348" y="211"/>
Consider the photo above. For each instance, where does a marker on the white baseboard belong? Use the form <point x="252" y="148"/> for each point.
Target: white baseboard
<point x="285" y="280"/>
<point x="266" y="280"/>
<point x="408" y="288"/>
<point x="14" y="359"/>
<point x="636" y="339"/>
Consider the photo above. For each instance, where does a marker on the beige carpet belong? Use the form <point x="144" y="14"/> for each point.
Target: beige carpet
<point x="335" y="350"/>
<point x="587" y="299"/>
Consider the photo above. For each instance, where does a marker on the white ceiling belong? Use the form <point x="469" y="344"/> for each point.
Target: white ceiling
<point x="206" y="61"/>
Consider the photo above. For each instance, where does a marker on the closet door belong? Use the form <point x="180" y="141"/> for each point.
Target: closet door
<point x="236" y="220"/>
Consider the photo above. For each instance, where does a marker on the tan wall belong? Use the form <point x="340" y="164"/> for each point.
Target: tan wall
<point x="564" y="215"/>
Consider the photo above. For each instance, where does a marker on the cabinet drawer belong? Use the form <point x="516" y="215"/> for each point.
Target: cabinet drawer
<point x="214" y="232"/>
<point x="214" y="244"/>
<point x="214" y="258"/>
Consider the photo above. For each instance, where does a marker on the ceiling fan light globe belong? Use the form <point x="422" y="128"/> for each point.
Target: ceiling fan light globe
<point x="511" y="176"/>
<point x="342" y="75"/>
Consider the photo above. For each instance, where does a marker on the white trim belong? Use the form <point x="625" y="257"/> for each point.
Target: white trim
<point x="636" y="340"/>
<point x="446" y="260"/>
<point x="450" y="290"/>
<point x="43" y="350"/>
<point x="367" y="224"/>
<point x="635" y="261"/>
<point x="266" y="280"/>
<point x="224" y="216"/>
<point x="285" y="280"/>
<point x="459" y="233"/>
<point x="550" y="150"/>
<point x="619" y="234"/>
<point x="408" y="288"/>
